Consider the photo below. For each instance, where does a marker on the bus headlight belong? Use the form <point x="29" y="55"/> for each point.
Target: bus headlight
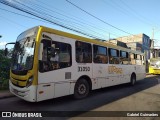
<point x="29" y="82"/>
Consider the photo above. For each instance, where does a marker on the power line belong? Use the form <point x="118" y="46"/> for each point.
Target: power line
<point x="44" y="18"/>
<point x="20" y="14"/>
<point x="80" y="20"/>
<point x="23" y="15"/>
<point x="143" y="18"/>
<point x="48" y="15"/>
<point x="12" y="21"/>
<point x="124" y="10"/>
<point x="79" y="23"/>
<point x="115" y="6"/>
<point x="128" y="11"/>
<point x="102" y="20"/>
<point x="98" y="18"/>
<point x="59" y="19"/>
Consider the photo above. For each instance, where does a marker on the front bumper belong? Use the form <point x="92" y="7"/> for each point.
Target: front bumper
<point x="28" y="94"/>
<point x="154" y="70"/>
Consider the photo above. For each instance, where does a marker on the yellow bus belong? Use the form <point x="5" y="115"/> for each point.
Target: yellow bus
<point x="154" y="65"/>
<point x="48" y="63"/>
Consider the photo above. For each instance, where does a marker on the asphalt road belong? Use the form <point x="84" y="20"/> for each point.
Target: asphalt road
<point x="144" y="96"/>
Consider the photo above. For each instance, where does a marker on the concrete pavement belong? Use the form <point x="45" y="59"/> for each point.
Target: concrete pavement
<point x="5" y="94"/>
<point x="143" y="101"/>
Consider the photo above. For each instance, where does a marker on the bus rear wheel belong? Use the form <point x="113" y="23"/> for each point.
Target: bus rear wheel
<point x="81" y="89"/>
<point x="133" y="80"/>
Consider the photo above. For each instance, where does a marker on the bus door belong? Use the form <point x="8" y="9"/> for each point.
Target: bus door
<point x="54" y="69"/>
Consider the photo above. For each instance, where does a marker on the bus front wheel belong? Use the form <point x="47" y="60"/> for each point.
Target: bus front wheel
<point x="81" y="89"/>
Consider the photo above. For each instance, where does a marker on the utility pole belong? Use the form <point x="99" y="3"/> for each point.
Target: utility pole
<point x="152" y="44"/>
<point x="152" y="33"/>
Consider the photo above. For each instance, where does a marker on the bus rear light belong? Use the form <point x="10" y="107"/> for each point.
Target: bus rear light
<point x="29" y="82"/>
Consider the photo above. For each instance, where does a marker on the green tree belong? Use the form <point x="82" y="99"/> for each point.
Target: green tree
<point x="5" y="63"/>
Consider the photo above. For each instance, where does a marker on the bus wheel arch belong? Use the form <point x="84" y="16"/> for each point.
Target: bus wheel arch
<point x="133" y="79"/>
<point x="82" y="87"/>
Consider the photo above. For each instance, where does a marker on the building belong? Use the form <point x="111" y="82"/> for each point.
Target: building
<point x="118" y="43"/>
<point x="155" y="53"/>
<point x="140" y="42"/>
<point x="135" y="46"/>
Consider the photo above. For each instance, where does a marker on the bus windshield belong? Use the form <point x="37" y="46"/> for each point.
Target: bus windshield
<point x="23" y="53"/>
<point x="155" y="62"/>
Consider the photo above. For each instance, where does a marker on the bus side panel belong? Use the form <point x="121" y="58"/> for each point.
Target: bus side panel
<point x="99" y="73"/>
<point x="55" y="83"/>
<point x="45" y="91"/>
<point x="111" y="74"/>
<point x="103" y="77"/>
<point x="118" y="74"/>
<point x="61" y="89"/>
<point x="126" y="73"/>
<point x="140" y="72"/>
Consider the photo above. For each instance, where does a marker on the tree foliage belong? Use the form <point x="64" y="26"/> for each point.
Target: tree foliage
<point x="5" y="63"/>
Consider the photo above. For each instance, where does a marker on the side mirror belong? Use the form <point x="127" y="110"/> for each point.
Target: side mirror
<point x="17" y="45"/>
<point x="6" y="51"/>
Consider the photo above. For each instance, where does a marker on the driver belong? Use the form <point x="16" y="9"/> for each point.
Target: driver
<point x="55" y="57"/>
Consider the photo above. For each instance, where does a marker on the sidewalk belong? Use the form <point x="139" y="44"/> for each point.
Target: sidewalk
<point x="5" y="94"/>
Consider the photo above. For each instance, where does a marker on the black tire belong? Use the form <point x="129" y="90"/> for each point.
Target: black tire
<point x="81" y="89"/>
<point x="133" y="80"/>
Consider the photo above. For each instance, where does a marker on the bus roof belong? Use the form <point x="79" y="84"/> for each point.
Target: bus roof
<point x="80" y="38"/>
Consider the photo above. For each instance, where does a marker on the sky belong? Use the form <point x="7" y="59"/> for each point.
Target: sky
<point x="102" y="19"/>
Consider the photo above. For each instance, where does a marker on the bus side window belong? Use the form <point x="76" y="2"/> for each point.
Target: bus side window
<point x="139" y="60"/>
<point x="61" y="58"/>
<point x="132" y="58"/>
<point x="43" y="64"/>
<point x="100" y="54"/>
<point x="123" y="57"/>
<point x="83" y="52"/>
<point x="55" y="55"/>
<point x="113" y="56"/>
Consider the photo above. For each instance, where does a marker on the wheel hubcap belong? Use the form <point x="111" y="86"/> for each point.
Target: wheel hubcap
<point x="82" y="89"/>
<point x="133" y="81"/>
